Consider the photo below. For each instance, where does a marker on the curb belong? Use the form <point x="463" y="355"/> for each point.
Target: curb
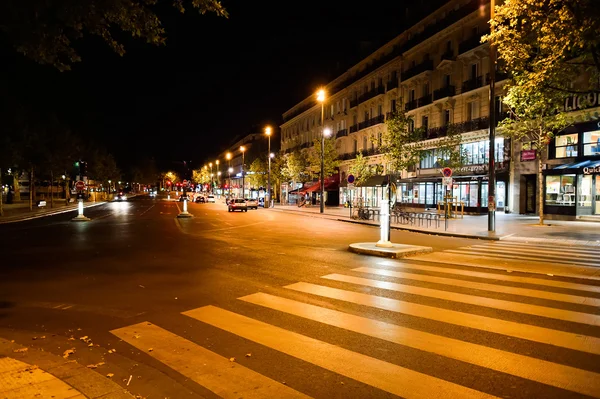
<point x="394" y="252"/>
<point x="49" y="213"/>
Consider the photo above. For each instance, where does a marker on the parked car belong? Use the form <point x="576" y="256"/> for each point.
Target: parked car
<point x="252" y="203"/>
<point x="183" y="198"/>
<point x="237" y="204"/>
<point x="210" y="198"/>
<point x="200" y="199"/>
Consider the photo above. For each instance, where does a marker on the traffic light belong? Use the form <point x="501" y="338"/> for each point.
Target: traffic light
<point x="83" y="168"/>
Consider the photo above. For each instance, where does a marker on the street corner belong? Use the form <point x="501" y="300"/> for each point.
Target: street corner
<point x="30" y="371"/>
<point x="393" y="251"/>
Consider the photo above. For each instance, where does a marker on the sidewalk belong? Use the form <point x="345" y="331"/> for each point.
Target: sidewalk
<point x="20" y="212"/>
<point x="508" y="226"/>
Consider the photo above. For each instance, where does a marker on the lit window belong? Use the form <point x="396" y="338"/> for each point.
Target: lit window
<point x="591" y="143"/>
<point x="566" y="145"/>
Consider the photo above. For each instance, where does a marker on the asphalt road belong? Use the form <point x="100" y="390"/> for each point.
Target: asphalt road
<point x="124" y="279"/>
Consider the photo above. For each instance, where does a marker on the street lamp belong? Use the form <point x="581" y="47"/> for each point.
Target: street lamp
<point x="228" y="156"/>
<point x="211" y="176"/>
<point x="492" y="138"/>
<point x="243" y="150"/>
<point x="268" y="133"/>
<point x="321" y="99"/>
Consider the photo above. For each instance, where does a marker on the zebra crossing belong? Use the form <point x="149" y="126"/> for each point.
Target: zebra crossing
<point x="531" y="336"/>
<point x="558" y="253"/>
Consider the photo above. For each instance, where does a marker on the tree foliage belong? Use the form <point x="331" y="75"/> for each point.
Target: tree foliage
<point x="294" y="168"/>
<point x="330" y="160"/>
<point x="47" y="30"/>
<point x="361" y="169"/>
<point x="548" y="45"/>
<point x="258" y="177"/>
<point x="201" y="176"/>
<point x="404" y="147"/>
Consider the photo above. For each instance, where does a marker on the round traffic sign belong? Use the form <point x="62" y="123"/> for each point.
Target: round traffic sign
<point x="350" y="178"/>
<point x="185" y="182"/>
<point x="447" y="172"/>
<point x="80" y="185"/>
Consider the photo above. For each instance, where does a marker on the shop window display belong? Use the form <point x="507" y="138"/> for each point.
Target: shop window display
<point x="560" y="190"/>
<point x="566" y="145"/>
<point x="591" y="143"/>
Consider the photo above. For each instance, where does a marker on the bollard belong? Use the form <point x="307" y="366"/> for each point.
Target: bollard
<point x="185" y="213"/>
<point x="80" y="217"/>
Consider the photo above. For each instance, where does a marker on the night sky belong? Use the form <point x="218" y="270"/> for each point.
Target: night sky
<point x="214" y="80"/>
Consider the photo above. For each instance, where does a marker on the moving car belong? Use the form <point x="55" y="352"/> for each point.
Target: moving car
<point x="183" y="198"/>
<point x="210" y="198"/>
<point x="237" y="204"/>
<point x="121" y="197"/>
<point x="252" y="203"/>
<point x="200" y="199"/>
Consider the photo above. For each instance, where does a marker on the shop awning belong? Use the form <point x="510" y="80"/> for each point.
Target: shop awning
<point x="332" y="183"/>
<point x="575" y="167"/>
<point x="374" y="181"/>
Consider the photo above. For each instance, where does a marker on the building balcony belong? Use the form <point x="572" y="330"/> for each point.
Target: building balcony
<point x="423" y="101"/>
<point x="464" y="127"/>
<point x="414" y="71"/>
<point x="410" y="105"/>
<point x="444" y="92"/>
<point x="448" y="55"/>
<point x="354" y="103"/>
<point x="472" y="84"/>
<point x="353" y="128"/>
<point x="371" y="93"/>
<point x="364" y="153"/>
<point x="499" y="76"/>
<point x="371" y="122"/>
<point x="341" y="133"/>
<point x="391" y="84"/>
<point x="389" y="115"/>
<point x="471" y="43"/>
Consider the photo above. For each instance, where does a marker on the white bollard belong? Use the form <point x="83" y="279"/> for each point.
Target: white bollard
<point x="80" y="217"/>
<point x="185" y="213"/>
<point x="384" y="228"/>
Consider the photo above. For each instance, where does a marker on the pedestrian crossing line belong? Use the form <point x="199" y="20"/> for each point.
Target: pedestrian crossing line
<point x="542" y="246"/>
<point x="493" y="276"/>
<point x="214" y="372"/>
<point x="542" y="335"/>
<point x="552" y="296"/>
<point x="538" y="251"/>
<point x="542" y="371"/>
<point x="545" y="253"/>
<point x="520" y="257"/>
<point x="517" y="307"/>
<point x="388" y="377"/>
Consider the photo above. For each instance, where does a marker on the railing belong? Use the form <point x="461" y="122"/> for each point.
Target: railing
<point x="389" y="115"/>
<point x="371" y="93"/>
<point x="448" y="55"/>
<point x="410" y="105"/>
<point x="471" y="43"/>
<point x="391" y="84"/>
<point x="341" y="133"/>
<point x="414" y="71"/>
<point x="353" y="128"/>
<point x="353" y="103"/>
<point x="447" y="91"/>
<point x="371" y="122"/>
<point x="425" y="100"/>
<point x="499" y="76"/>
<point x="364" y="153"/>
<point x="472" y="84"/>
<point x="463" y="127"/>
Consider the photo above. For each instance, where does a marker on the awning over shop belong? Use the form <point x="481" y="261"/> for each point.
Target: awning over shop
<point x="574" y="167"/>
<point x="332" y="183"/>
<point x="374" y="181"/>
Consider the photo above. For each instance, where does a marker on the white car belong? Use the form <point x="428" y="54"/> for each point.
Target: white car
<point x="211" y="198"/>
<point x="237" y="204"/>
<point x="251" y="203"/>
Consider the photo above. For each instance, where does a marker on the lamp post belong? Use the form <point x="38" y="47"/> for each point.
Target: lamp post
<point x="229" y="170"/>
<point x="243" y="150"/>
<point x="218" y="173"/>
<point x="321" y="99"/>
<point x="211" y="176"/>
<point x="492" y="118"/>
<point x="268" y="133"/>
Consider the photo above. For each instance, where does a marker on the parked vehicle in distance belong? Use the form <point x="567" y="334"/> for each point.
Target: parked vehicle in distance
<point x="210" y="198"/>
<point x="183" y="198"/>
<point x="237" y="204"/>
<point x="252" y="203"/>
<point x="200" y="199"/>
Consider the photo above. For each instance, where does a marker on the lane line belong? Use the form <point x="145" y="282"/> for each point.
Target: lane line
<point x="542" y="371"/>
<point x="388" y="377"/>
<point x="493" y="276"/>
<point x="227" y="379"/>
<point x="510" y="328"/>
<point x="517" y="307"/>
<point x="143" y="213"/>
<point x="528" y="292"/>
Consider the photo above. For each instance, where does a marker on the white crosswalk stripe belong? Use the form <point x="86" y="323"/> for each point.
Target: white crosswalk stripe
<point x="566" y="317"/>
<point x="559" y="254"/>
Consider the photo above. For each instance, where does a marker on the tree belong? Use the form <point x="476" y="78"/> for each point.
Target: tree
<point x="258" y="175"/>
<point x="102" y="167"/>
<point x="534" y="119"/>
<point x="47" y="30"/>
<point x="277" y="175"/>
<point x="404" y="147"/>
<point x="361" y="169"/>
<point x="294" y="168"/>
<point x="548" y="45"/>
<point x="330" y="160"/>
<point x="201" y="176"/>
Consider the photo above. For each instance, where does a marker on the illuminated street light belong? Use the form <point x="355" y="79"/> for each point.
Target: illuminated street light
<point x="243" y="150"/>
<point x="228" y="156"/>
<point x="268" y="202"/>
<point x="321" y="99"/>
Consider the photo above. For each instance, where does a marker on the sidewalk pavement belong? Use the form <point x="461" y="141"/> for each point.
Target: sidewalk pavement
<point x="508" y="226"/>
<point x="20" y="211"/>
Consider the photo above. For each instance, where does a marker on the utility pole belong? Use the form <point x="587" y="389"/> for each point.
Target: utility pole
<point x="492" y="149"/>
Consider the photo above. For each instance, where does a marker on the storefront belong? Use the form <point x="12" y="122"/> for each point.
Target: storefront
<point x="572" y="189"/>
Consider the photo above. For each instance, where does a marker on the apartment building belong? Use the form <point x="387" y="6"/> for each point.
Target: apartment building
<point x="438" y="71"/>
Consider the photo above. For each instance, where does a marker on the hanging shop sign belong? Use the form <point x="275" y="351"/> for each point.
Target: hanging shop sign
<point x="528" y="155"/>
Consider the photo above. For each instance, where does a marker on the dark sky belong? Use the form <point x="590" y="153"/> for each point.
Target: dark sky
<point x="215" y="79"/>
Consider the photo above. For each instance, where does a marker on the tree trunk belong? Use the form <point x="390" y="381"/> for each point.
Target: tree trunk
<point x="31" y="190"/>
<point x="16" y="188"/>
<point x="540" y="190"/>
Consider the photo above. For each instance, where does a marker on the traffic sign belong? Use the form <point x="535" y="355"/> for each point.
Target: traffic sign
<point x="350" y="186"/>
<point x="447" y="172"/>
<point x="80" y="185"/>
<point x="447" y="181"/>
<point x="350" y="178"/>
<point x="185" y="182"/>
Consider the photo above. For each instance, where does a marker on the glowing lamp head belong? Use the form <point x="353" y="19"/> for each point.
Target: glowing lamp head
<point x="242" y="148"/>
<point x="217" y="162"/>
<point x="268" y="130"/>
<point x="327" y="132"/>
<point x="321" y="96"/>
<point x="210" y="164"/>
<point x="230" y="170"/>
<point x="272" y="155"/>
<point x="228" y="156"/>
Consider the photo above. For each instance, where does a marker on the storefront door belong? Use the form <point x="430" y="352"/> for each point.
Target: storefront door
<point x="530" y="193"/>
<point x="597" y="195"/>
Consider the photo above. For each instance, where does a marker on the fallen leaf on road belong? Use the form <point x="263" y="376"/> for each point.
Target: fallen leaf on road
<point x="71" y="339"/>
<point x="85" y="337"/>
<point x="150" y="350"/>
<point x="111" y="351"/>
<point x="232" y="359"/>
<point x="248" y="354"/>
<point x="136" y="335"/>
<point x="141" y="286"/>
<point x="68" y="352"/>
<point x="90" y="344"/>
<point x="110" y="375"/>
<point x="20" y="350"/>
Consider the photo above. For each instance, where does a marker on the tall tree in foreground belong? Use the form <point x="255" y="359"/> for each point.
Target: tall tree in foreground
<point x="46" y="30"/>
<point x="330" y="159"/>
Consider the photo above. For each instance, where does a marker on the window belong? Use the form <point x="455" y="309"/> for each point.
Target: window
<point x="566" y="145"/>
<point x="446" y="81"/>
<point x="355" y="146"/>
<point x="411" y="125"/>
<point x="411" y="95"/>
<point x="343" y="124"/>
<point x="478" y="153"/>
<point x="380" y="82"/>
<point x="465" y="192"/>
<point x="447" y="120"/>
<point x="425" y="89"/>
<point x="393" y="106"/>
<point x="433" y="159"/>
<point x="425" y="122"/>
<point x="560" y="190"/>
<point x="366" y="116"/>
<point x="591" y="143"/>
<point x="379" y="139"/>
<point x="343" y="104"/>
<point x="472" y="110"/>
<point x="364" y="146"/>
<point x="354" y="119"/>
<point x="379" y="110"/>
<point x="584" y="191"/>
<point x="473" y="72"/>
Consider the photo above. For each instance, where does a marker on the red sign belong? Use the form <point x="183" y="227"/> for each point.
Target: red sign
<point x="80" y="185"/>
<point x="447" y="172"/>
<point x="528" y="155"/>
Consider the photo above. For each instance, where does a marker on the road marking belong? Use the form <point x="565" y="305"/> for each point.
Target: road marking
<point x="19" y="380"/>
<point x="493" y="276"/>
<point x="143" y="213"/>
<point x="517" y="307"/>
<point x="540" y="247"/>
<point x="510" y="328"/>
<point x="542" y="371"/>
<point x="552" y="296"/>
<point x="214" y="372"/>
<point x="517" y="257"/>
<point x="385" y="376"/>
